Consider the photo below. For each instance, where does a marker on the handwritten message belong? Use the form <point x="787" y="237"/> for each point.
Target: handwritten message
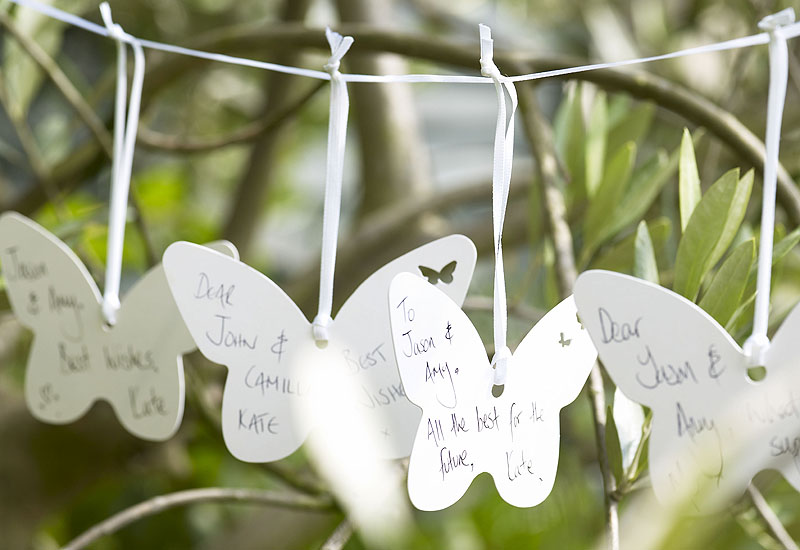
<point x="714" y="428"/>
<point x="465" y="430"/>
<point x="240" y="318"/>
<point x="75" y="359"/>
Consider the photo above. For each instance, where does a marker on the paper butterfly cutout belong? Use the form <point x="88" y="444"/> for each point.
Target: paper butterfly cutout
<point x="465" y="430"/>
<point x="713" y="427"/>
<point x="240" y="318"/>
<point x="445" y="275"/>
<point x="75" y="358"/>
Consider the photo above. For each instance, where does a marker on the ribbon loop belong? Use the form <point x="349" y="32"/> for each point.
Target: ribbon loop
<point x="501" y="182"/>
<point x="125" y="129"/>
<point x="757" y="344"/>
<point x="337" y="137"/>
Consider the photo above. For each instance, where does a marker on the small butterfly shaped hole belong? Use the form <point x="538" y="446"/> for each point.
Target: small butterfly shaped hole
<point x="444" y="275"/>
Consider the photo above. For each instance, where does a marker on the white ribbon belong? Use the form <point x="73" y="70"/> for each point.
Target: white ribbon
<point x="757" y="344"/>
<point x="122" y="163"/>
<point x="790" y="31"/>
<point x="501" y="181"/>
<point x="337" y="136"/>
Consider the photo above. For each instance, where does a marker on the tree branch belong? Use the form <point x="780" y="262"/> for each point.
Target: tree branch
<point x="540" y="137"/>
<point x="64" y="85"/>
<point x="246" y="39"/>
<point x="156" y="140"/>
<point x="771" y="519"/>
<point x="160" y="503"/>
<point x="209" y="413"/>
<point x="248" y="200"/>
<point x="685" y="102"/>
<point x="339" y="537"/>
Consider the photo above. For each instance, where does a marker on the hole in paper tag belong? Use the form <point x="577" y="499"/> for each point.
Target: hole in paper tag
<point x="444" y="275"/>
<point x="757" y="374"/>
<point x="713" y="428"/>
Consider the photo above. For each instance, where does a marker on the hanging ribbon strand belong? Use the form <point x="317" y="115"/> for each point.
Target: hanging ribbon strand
<point x="124" y="142"/>
<point x="501" y="182"/>
<point x="337" y="136"/>
<point x="756" y="345"/>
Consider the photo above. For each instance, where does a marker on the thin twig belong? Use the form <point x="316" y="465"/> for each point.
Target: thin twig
<point x="160" y="503"/>
<point x="64" y="85"/>
<point x="259" y="38"/>
<point x="668" y="95"/>
<point x="771" y="519"/>
<point x="540" y="137"/>
<point x="29" y="145"/>
<point x="85" y="112"/>
<point x="339" y="537"/>
<point x="157" y="140"/>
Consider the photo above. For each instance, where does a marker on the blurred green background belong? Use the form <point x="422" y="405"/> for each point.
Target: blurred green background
<point x="239" y="153"/>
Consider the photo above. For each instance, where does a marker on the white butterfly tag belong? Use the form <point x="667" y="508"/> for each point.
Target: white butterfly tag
<point x="713" y="427"/>
<point x="75" y="358"/>
<point x="465" y="430"/>
<point x="240" y="318"/>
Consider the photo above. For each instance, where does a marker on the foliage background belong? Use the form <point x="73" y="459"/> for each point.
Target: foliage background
<point x="238" y="153"/>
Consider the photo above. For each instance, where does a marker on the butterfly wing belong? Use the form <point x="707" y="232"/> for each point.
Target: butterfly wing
<point x="445" y="372"/>
<point x="546" y="373"/>
<point x="773" y="419"/>
<point x="446" y="274"/>
<point x="52" y="293"/>
<point x="362" y="332"/>
<point x="240" y="318"/>
<point x="142" y="356"/>
<point x="431" y="274"/>
<point x="668" y="354"/>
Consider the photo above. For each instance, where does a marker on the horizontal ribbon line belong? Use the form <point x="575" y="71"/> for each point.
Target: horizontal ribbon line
<point x="789" y="31"/>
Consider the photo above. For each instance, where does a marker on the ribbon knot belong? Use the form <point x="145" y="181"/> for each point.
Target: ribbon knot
<point x="755" y="349"/>
<point x="319" y="328"/>
<point x="114" y="29"/>
<point x="775" y="21"/>
<point x="339" y="46"/>
<point x="500" y="364"/>
<point x="488" y="68"/>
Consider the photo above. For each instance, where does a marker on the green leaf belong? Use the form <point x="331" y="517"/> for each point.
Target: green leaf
<point x="596" y="143"/>
<point x="644" y="258"/>
<point x="711" y="229"/>
<point x="689" y="192"/>
<point x="783" y="246"/>
<point x="632" y="127"/>
<point x="570" y="137"/>
<point x="725" y="292"/>
<point x="611" y="190"/>
<point x="645" y="185"/>
<point x="620" y="256"/>
<point x="613" y="449"/>
<point x="744" y="313"/>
